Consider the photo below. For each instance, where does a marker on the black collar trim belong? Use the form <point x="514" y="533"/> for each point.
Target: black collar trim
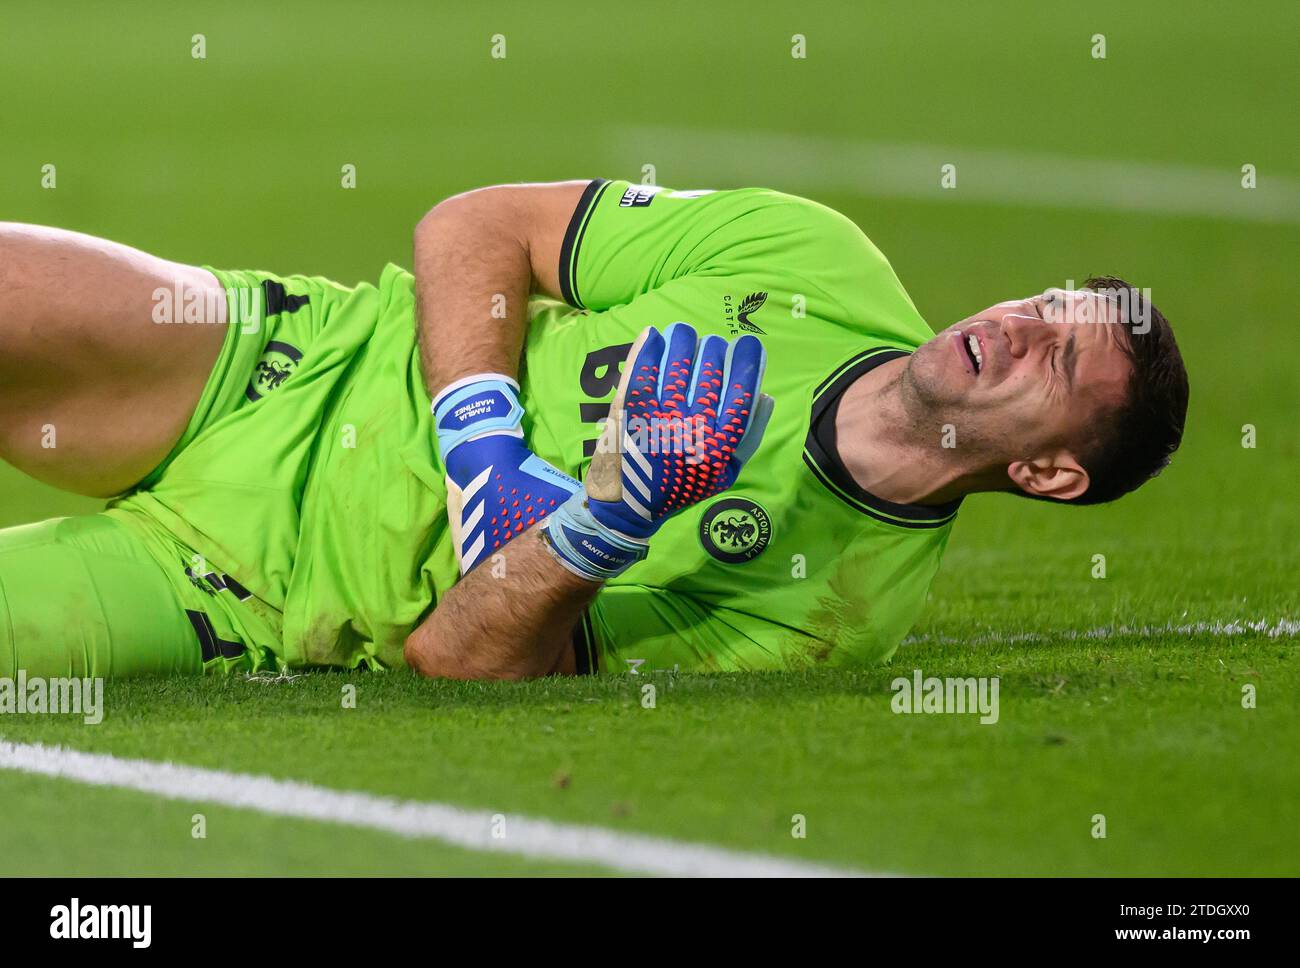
<point x="820" y="455"/>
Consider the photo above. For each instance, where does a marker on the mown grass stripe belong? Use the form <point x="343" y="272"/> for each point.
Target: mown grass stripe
<point x="868" y="169"/>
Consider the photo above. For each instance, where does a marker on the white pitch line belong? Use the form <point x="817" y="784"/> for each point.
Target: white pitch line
<point x="867" y="169"/>
<point x="1282" y="628"/>
<point x="471" y="829"/>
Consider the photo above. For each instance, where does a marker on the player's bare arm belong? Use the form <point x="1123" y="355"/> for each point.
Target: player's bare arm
<point x="477" y="258"/>
<point x="491" y="248"/>
<point x="510" y="620"/>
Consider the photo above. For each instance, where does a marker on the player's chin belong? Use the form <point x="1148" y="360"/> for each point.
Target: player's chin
<point x="936" y="377"/>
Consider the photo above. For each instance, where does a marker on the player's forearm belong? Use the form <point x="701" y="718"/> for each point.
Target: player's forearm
<point x="512" y="618"/>
<point x="472" y="278"/>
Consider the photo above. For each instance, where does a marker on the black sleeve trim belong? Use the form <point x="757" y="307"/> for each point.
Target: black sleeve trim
<point x="584" y="647"/>
<point x="573" y="241"/>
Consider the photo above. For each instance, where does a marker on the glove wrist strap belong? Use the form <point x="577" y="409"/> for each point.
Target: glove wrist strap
<point x="475" y="406"/>
<point x="586" y="547"/>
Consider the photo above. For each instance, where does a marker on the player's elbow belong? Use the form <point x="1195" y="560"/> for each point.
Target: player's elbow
<point x="428" y="655"/>
<point x="422" y="655"/>
<point x="432" y="223"/>
<point x="474" y="204"/>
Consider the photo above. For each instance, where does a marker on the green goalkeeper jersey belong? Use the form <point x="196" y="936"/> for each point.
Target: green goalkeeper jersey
<point x="795" y="564"/>
<point x="313" y="499"/>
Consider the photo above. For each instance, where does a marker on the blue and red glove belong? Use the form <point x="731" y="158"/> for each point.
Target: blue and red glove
<point x="687" y="416"/>
<point x="496" y="487"/>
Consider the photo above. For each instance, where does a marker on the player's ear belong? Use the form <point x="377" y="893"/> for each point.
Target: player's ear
<point x="1059" y="477"/>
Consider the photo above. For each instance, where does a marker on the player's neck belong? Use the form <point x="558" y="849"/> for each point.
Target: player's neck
<point x="895" y="453"/>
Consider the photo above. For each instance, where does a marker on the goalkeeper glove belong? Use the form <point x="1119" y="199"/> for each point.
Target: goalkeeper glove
<point x="687" y="416"/>
<point x="496" y="486"/>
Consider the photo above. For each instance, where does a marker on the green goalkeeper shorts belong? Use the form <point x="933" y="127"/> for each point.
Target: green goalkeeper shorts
<point x="84" y="597"/>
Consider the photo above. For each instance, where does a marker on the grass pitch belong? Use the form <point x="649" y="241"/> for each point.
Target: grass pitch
<point x="1150" y="734"/>
<point x="1120" y="696"/>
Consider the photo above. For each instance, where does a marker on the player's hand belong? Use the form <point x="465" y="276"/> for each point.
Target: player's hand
<point x="687" y="415"/>
<point x="496" y="487"/>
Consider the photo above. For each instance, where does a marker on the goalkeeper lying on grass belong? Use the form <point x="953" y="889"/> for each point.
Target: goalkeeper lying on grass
<point x="303" y="470"/>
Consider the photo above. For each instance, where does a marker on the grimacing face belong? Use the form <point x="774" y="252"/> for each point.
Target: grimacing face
<point x="1024" y="381"/>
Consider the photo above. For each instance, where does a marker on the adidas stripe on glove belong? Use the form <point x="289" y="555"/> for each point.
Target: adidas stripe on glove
<point x="496" y="487"/>
<point x="687" y="415"/>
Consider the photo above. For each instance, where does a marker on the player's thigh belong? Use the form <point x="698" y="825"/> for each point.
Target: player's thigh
<point x="104" y="352"/>
<point x="80" y="597"/>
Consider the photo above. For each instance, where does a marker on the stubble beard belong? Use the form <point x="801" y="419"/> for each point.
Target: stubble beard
<point x="932" y="417"/>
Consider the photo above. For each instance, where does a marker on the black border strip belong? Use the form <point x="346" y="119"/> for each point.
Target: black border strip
<point x="573" y="241"/>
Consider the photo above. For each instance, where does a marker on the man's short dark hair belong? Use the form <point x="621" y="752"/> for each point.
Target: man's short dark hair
<point x="1133" y="442"/>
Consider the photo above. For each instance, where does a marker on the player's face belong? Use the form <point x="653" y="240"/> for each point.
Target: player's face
<point x="1029" y="374"/>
